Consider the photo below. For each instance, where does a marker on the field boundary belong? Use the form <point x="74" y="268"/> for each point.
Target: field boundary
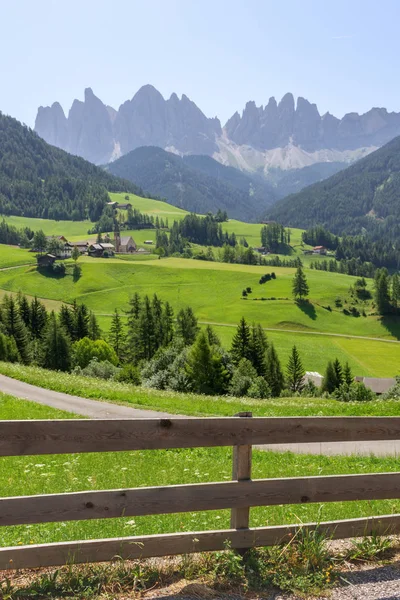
<point x="22" y="438"/>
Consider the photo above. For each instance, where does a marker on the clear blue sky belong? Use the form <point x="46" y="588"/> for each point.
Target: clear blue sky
<point x="341" y="54"/>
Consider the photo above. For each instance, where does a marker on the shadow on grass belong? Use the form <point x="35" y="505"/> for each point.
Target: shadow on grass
<point x="308" y="308"/>
<point x="392" y="324"/>
<point x="50" y="273"/>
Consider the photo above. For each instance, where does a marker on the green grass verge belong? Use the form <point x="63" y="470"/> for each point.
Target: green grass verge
<point x="72" y="473"/>
<point x="192" y="404"/>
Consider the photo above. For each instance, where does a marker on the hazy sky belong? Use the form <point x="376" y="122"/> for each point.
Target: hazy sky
<point x="341" y="54"/>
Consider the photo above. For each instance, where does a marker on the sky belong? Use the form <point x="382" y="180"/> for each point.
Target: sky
<point x="341" y="54"/>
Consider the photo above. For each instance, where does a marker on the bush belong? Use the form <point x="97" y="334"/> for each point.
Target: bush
<point x="310" y="390"/>
<point x="101" y="370"/>
<point x="394" y="392"/>
<point x="86" y="349"/>
<point x="355" y="392"/>
<point x="259" y="389"/>
<point x="129" y="374"/>
<point x="243" y="378"/>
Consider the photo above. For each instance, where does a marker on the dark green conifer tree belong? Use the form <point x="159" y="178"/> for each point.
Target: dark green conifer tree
<point x="347" y="374"/>
<point x="117" y="335"/>
<point x="295" y="372"/>
<point x="15" y="327"/>
<point x="274" y="373"/>
<point x="186" y="325"/>
<point x="241" y="343"/>
<point x="38" y="318"/>
<point x="168" y="324"/>
<point x="56" y="346"/>
<point x="330" y="382"/>
<point x="258" y="349"/>
<point x="94" y="331"/>
<point x="24" y="309"/>
<point x="205" y="368"/>
<point x="337" y="367"/>
<point x="300" y="286"/>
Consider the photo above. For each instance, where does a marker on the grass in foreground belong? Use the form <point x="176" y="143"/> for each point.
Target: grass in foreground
<point x="71" y="473"/>
<point x="192" y="404"/>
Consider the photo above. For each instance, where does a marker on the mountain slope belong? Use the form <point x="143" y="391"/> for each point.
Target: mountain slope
<point x="365" y="195"/>
<point x="38" y="180"/>
<point x="195" y="183"/>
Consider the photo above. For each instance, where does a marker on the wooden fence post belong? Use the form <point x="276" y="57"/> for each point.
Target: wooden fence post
<point x="241" y="471"/>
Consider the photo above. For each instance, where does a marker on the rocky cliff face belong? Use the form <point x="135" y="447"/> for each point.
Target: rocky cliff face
<point x="278" y="125"/>
<point x="284" y="135"/>
<point x="99" y="133"/>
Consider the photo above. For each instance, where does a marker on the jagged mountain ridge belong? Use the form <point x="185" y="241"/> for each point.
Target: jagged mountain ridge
<point x="284" y="135"/>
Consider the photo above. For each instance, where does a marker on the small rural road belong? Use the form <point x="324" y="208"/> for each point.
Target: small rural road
<point x="96" y="409"/>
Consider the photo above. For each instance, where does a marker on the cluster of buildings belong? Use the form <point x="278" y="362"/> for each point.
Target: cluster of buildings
<point x="119" y="245"/>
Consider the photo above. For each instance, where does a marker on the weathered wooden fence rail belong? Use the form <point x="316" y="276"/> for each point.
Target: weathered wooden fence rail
<point x="22" y="438"/>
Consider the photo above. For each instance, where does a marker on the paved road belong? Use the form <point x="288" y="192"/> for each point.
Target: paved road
<point x="95" y="409"/>
<point x="80" y="406"/>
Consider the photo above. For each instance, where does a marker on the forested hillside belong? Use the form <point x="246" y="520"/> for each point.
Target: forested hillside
<point x="39" y="180"/>
<point x="366" y="196"/>
<point x="195" y="183"/>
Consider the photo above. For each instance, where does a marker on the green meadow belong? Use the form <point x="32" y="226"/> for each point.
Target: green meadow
<point x="31" y="475"/>
<point x="214" y="290"/>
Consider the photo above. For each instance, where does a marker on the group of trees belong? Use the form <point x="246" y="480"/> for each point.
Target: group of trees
<point x="387" y="292"/>
<point x="275" y="238"/>
<point x="319" y="236"/>
<point x="353" y="266"/>
<point x="339" y="383"/>
<point x="29" y="333"/>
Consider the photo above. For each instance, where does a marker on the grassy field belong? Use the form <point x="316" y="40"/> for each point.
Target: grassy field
<point x="72" y="473"/>
<point x="214" y="292"/>
<point x="192" y="404"/>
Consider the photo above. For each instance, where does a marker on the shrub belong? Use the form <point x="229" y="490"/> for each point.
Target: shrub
<point x="394" y="392"/>
<point x="355" y="392"/>
<point x="243" y="378"/>
<point x="86" y="349"/>
<point x="259" y="389"/>
<point x="101" y="370"/>
<point x="129" y="374"/>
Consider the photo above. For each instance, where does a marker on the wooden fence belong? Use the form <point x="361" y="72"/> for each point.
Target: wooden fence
<point x="22" y="438"/>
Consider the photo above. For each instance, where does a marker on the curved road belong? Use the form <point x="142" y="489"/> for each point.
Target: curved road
<point x="95" y="409"/>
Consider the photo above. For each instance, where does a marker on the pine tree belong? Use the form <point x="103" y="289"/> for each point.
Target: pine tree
<point x="212" y="337"/>
<point x="258" y="348"/>
<point x="205" y="368"/>
<point x="186" y="325"/>
<point x="38" y="318"/>
<point x="24" y="309"/>
<point x="168" y="324"/>
<point x="81" y="321"/>
<point x="56" y="347"/>
<point x="300" y="286"/>
<point x="15" y="327"/>
<point x="382" y="298"/>
<point x="146" y="337"/>
<point x="157" y="309"/>
<point x="330" y="382"/>
<point x="94" y="331"/>
<point x="396" y="290"/>
<point x="116" y="335"/>
<point x="347" y="374"/>
<point x="274" y="374"/>
<point x="295" y="372"/>
<point x="67" y="320"/>
<point x="337" y="367"/>
<point x="241" y="343"/>
<point x="135" y="305"/>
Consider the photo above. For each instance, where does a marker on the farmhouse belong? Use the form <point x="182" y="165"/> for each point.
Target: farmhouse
<point x="315" y="377"/>
<point x="124" y="206"/>
<point x="319" y="250"/>
<point x="99" y="250"/>
<point x="82" y="246"/>
<point x="125" y="244"/>
<point x="379" y="385"/>
<point x="45" y="260"/>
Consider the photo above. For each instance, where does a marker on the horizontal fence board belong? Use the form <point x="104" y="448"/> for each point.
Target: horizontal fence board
<point x="197" y="497"/>
<point x="72" y="436"/>
<point x="48" y="555"/>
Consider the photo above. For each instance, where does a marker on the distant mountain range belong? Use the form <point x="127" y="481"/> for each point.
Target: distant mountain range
<point x="365" y="197"/>
<point x="268" y="141"/>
